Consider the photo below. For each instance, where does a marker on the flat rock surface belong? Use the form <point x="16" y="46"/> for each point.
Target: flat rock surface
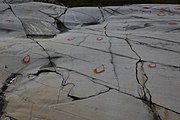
<point x="89" y="63"/>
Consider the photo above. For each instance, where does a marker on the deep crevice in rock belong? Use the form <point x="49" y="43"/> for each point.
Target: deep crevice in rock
<point x="6" y="84"/>
<point x="141" y="78"/>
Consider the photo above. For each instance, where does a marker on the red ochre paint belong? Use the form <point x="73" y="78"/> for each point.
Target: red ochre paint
<point x="9" y="20"/>
<point x="26" y="59"/>
<point x="152" y="65"/>
<point x="99" y="69"/>
<point x="177" y="8"/>
<point x="172" y="23"/>
<point x="161" y="14"/>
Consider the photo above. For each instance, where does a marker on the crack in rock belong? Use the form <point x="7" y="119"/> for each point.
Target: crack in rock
<point x="113" y="64"/>
<point x="143" y="91"/>
<point x="6" y="84"/>
<point x="51" y="63"/>
<point x="141" y="78"/>
<point x="83" y="98"/>
<point x="60" y="26"/>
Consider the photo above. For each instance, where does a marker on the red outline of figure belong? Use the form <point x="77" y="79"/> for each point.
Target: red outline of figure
<point x="26" y="59"/>
<point x="152" y="65"/>
<point x="70" y="39"/>
<point x="172" y="23"/>
<point x="9" y="21"/>
<point x="163" y="11"/>
<point x="161" y="14"/>
<point x="177" y="8"/>
<point x="101" y="71"/>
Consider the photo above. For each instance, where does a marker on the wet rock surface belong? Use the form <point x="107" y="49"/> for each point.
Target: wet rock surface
<point x="84" y="63"/>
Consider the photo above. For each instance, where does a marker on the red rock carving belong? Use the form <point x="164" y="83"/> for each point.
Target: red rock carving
<point x="99" y="69"/>
<point x="26" y="59"/>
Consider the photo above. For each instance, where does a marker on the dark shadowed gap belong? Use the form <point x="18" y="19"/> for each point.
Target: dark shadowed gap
<point x="73" y="3"/>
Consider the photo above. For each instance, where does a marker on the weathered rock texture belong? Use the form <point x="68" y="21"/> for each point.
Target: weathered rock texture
<point x="89" y="63"/>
